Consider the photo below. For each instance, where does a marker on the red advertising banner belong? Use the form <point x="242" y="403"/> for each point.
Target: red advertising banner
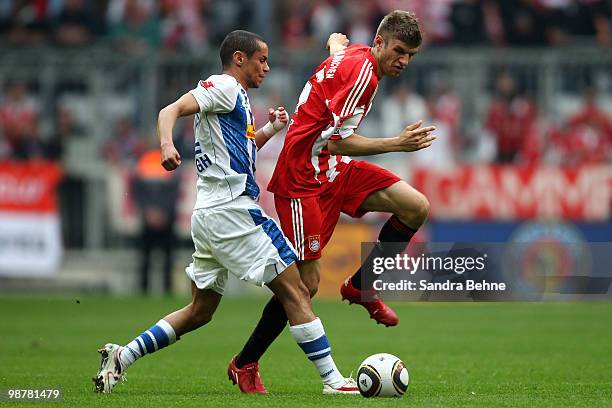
<point x="30" y="237"/>
<point x="515" y="193"/>
<point x="29" y="186"/>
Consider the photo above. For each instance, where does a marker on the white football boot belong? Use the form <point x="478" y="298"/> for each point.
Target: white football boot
<point x="110" y="372"/>
<point x="348" y="387"/>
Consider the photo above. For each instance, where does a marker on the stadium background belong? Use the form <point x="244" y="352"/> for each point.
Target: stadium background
<point x="521" y="94"/>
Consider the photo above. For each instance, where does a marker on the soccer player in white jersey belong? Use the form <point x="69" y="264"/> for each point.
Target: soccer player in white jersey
<point x="230" y="232"/>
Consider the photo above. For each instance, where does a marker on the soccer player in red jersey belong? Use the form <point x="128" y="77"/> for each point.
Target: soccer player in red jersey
<point x="315" y="179"/>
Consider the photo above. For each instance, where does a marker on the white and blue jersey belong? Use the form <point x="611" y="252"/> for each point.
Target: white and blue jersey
<point x="230" y="231"/>
<point x="224" y="142"/>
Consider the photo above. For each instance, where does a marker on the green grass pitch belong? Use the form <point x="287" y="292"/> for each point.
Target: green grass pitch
<point x="458" y="354"/>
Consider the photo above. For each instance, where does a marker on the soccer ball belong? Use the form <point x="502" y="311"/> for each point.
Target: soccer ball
<point x="382" y="375"/>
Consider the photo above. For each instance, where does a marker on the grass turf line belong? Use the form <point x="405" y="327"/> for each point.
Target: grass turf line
<point x="458" y="354"/>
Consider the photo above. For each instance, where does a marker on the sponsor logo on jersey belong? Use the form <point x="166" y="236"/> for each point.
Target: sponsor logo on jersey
<point x="314" y="243"/>
<point x="250" y="132"/>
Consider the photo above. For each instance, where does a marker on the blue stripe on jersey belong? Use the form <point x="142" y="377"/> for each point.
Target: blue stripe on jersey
<point x="275" y="234"/>
<point x="254" y="156"/>
<point x="233" y="128"/>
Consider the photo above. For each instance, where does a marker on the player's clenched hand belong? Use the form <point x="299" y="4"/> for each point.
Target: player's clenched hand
<point x="337" y="42"/>
<point x="414" y="137"/>
<point x="278" y="118"/>
<point x="170" y="157"/>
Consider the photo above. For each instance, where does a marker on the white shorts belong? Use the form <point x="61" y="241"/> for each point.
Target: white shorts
<point x="237" y="238"/>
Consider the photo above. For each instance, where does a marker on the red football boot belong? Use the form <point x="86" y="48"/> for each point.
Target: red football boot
<point x="247" y="377"/>
<point x="369" y="299"/>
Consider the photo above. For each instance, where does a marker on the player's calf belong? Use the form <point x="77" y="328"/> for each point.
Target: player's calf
<point x="293" y="294"/>
<point x="307" y="330"/>
<point x="196" y="314"/>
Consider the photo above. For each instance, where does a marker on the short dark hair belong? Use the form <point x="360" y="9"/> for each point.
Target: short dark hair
<point x="239" y="40"/>
<point x="403" y="25"/>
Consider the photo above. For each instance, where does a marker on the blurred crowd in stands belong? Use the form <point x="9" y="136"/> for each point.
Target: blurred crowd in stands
<point x="510" y="128"/>
<point x="192" y="25"/>
<point x="465" y="22"/>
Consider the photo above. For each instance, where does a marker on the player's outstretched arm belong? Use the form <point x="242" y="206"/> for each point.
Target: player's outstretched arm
<point x="277" y="120"/>
<point x="411" y="139"/>
<point x="186" y="105"/>
<point x="337" y="42"/>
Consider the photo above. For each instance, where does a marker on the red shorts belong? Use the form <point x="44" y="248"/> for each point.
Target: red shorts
<point x="309" y="222"/>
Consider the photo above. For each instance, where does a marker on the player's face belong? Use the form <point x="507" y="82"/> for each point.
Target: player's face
<point x="256" y="68"/>
<point x="395" y="55"/>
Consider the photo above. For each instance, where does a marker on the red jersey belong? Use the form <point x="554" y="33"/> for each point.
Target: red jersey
<point x="331" y="106"/>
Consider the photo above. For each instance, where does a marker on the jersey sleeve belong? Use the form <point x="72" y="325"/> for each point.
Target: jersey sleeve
<point x="217" y="94"/>
<point x="349" y="105"/>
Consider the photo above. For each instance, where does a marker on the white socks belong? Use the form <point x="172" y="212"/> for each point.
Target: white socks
<point x="312" y="339"/>
<point x="157" y="337"/>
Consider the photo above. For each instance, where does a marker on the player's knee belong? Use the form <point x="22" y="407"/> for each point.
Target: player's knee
<point x="422" y="207"/>
<point x="310" y="275"/>
<point x="417" y="211"/>
<point x="302" y="292"/>
<point x="312" y="289"/>
<point x="203" y="318"/>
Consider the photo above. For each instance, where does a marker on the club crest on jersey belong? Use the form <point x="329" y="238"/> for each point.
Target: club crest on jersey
<point x="207" y="84"/>
<point x="314" y="243"/>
